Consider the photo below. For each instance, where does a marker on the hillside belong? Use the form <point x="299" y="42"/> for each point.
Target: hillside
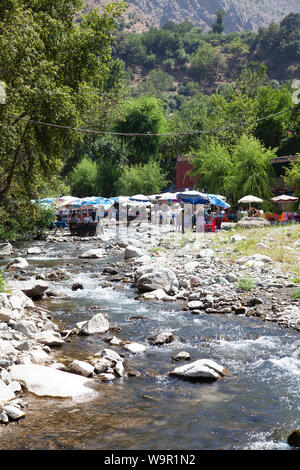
<point x="245" y="15"/>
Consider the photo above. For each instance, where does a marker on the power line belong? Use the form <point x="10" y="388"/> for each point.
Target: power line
<point x="138" y="134"/>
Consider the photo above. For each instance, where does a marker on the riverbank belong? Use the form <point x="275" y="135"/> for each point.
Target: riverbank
<point x="200" y="277"/>
<point x="255" y="272"/>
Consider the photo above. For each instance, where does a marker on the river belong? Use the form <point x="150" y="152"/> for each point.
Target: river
<point x="256" y="407"/>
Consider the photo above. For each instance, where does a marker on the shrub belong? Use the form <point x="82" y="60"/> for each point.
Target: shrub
<point x="246" y="283"/>
<point x="2" y="281"/>
<point x="145" y="179"/>
<point x="83" y="178"/>
<point x="296" y="294"/>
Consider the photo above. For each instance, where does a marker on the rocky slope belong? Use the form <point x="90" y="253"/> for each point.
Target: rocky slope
<point x="240" y="16"/>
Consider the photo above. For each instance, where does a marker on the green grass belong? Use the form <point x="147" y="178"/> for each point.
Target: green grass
<point x="246" y="283"/>
<point x="2" y="282"/>
<point x="296" y="294"/>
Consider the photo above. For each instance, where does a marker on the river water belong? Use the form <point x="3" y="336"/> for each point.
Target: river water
<point x="256" y="407"/>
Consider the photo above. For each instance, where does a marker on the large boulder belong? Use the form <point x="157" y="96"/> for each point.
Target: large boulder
<point x="256" y="260"/>
<point x="251" y="222"/>
<point x="47" y="381"/>
<point x="34" y="250"/>
<point x="162" y="338"/>
<point x="203" y="369"/>
<point x="49" y="338"/>
<point x="133" y="252"/>
<point x="294" y="438"/>
<point x="17" y="263"/>
<point x="34" y="288"/>
<point x="135" y="348"/>
<point x="153" y="277"/>
<point x="94" y="253"/>
<point x="6" y="393"/>
<point x="6" y="249"/>
<point x="97" y="324"/>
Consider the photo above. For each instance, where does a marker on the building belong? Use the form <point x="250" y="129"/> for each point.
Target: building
<point x="183" y="179"/>
<point x="186" y="181"/>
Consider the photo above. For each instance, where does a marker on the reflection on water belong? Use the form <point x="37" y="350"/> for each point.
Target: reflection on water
<point x="153" y="410"/>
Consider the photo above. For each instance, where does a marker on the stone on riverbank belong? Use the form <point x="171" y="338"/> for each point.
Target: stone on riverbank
<point x="133" y="252"/>
<point x="252" y="222"/>
<point x="94" y="253"/>
<point x="6" y="393"/>
<point x="13" y="412"/>
<point x="17" y="263"/>
<point x="135" y="348"/>
<point x="162" y="338"/>
<point x="294" y="438"/>
<point x="49" y="338"/>
<point x="97" y="324"/>
<point x="203" y="369"/>
<point x="6" y="249"/>
<point x="181" y="356"/>
<point x="158" y="294"/>
<point x="34" y="288"/>
<point x="34" y="250"/>
<point x="81" y="368"/>
<point x="150" y="278"/>
<point x="47" y="381"/>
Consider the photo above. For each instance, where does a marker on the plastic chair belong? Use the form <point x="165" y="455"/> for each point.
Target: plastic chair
<point x="211" y="226"/>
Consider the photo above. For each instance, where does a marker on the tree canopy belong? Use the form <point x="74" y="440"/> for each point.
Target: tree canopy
<point x="54" y="69"/>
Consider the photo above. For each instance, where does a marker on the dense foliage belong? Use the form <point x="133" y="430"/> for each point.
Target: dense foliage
<point x="61" y="66"/>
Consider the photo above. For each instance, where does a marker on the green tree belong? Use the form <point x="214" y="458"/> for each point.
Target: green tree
<point x="272" y="101"/>
<point x="292" y="176"/>
<point x="219" y="26"/>
<point x="143" y="115"/>
<point x="252" y="78"/>
<point x="207" y="60"/>
<point x="142" y="179"/>
<point x="83" y="178"/>
<point x="54" y="69"/>
<point x="108" y="173"/>
<point x="252" y="171"/>
<point x="212" y="164"/>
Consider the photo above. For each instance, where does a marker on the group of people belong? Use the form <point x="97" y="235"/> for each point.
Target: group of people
<point x="84" y="218"/>
<point x="219" y="214"/>
<point x="62" y="221"/>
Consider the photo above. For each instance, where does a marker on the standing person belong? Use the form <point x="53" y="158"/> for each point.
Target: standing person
<point x="219" y="219"/>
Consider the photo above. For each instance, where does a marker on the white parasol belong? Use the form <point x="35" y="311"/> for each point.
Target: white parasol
<point x="284" y="199"/>
<point x="248" y="199"/>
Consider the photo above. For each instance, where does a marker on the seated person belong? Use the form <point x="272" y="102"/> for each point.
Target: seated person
<point x="86" y="218"/>
<point x="209" y="216"/>
<point x="94" y="217"/>
<point x="74" y="219"/>
<point x="252" y="212"/>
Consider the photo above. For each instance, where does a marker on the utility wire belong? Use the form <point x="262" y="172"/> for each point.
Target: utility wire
<point x="138" y="134"/>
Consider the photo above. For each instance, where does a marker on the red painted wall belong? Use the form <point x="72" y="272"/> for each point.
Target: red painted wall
<point x="183" y="182"/>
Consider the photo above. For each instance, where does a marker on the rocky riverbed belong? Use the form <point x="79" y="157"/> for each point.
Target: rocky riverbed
<point x="194" y="273"/>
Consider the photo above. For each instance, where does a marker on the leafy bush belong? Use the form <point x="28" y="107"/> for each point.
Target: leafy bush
<point x="83" y="178"/>
<point x="2" y="281"/>
<point x="296" y="294"/>
<point x="146" y="179"/>
<point x="246" y="283"/>
<point x="23" y="219"/>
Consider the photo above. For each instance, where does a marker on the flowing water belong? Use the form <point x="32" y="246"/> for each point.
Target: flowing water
<point x="255" y="408"/>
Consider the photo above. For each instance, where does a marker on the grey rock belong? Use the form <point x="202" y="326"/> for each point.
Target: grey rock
<point x="82" y="368"/>
<point x="17" y="263"/>
<point x="201" y="369"/>
<point x="5" y="249"/>
<point x="153" y="277"/>
<point x="97" y="324"/>
<point x="162" y="338"/>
